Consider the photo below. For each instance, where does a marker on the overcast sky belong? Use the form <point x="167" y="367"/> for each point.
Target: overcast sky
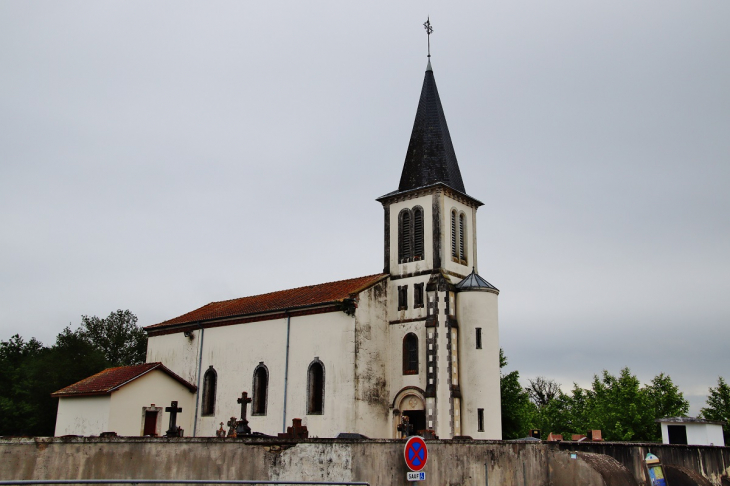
<point x="157" y="156"/>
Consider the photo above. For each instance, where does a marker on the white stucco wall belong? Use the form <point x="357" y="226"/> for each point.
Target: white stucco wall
<point x="372" y="334"/>
<point x="178" y="350"/>
<point x="479" y="368"/>
<point x="697" y="433"/>
<point x="155" y="388"/>
<point x="236" y="350"/>
<point x="83" y="415"/>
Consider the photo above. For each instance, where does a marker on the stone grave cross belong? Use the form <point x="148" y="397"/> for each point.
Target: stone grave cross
<point x="243" y="428"/>
<point x="174" y="410"/>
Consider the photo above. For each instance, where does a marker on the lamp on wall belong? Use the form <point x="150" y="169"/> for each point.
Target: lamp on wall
<point x="189" y="335"/>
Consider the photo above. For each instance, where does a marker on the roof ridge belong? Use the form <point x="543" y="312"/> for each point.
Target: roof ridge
<point x="278" y="300"/>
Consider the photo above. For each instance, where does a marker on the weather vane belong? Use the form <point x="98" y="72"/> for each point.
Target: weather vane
<point x="429" y="29"/>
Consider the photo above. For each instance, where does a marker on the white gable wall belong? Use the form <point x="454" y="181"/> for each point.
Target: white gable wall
<point x="178" y="349"/>
<point x="83" y="415"/>
<point x="155" y="387"/>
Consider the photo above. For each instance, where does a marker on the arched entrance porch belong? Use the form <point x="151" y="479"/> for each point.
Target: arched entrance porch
<point x="409" y="402"/>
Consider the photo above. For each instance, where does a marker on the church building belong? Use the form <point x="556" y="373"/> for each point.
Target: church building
<point x="417" y="342"/>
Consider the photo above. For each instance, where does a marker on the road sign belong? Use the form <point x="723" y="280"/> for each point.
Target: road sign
<point x="416" y="476"/>
<point x="415" y="453"/>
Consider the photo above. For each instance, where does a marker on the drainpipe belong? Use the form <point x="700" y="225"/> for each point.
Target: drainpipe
<point x="197" y="392"/>
<point x="286" y="368"/>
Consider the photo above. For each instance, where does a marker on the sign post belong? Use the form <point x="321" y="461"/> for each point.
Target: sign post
<point x="416" y="455"/>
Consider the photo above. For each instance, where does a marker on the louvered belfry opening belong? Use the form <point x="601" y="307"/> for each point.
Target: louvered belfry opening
<point x="410" y="235"/>
<point x="410" y="354"/>
<point x="454" y="252"/>
<point x="404" y="236"/>
<point x="417" y="233"/>
<point x="462" y="253"/>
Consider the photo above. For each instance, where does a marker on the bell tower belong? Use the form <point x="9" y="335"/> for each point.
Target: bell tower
<point x="429" y="250"/>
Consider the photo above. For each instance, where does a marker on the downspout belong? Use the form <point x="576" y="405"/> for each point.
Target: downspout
<point x="197" y="392"/>
<point x="286" y="368"/>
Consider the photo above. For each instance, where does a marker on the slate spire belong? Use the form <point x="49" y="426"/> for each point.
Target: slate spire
<point x="430" y="158"/>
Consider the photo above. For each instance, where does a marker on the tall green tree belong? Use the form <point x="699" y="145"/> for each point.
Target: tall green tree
<point x="30" y="371"/>
<point x="117" y="336"/>
<point x="619" y="407"/>
<point x="665" y="400"/>
<point x="718" y="406"/>
<point x="16" y="403"/>
<point x="517" y="410"/>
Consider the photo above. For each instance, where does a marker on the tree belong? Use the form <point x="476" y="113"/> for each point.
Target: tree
<point x="718" y="406"/>
<point x="30" y="372"/>
<point x="620" y="408"/>
<point x="117" y="336"/>
<point x="665" y="400"/>
<point x="542" y="391"/>
<point x="16" y="404"/>
<point x="517" y="409"/>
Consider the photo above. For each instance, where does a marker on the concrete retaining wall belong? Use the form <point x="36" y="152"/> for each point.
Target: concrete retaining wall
<point x="379" y="462"/>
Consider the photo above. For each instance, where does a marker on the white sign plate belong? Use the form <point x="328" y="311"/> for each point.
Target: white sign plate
<point x="416" y="476"/>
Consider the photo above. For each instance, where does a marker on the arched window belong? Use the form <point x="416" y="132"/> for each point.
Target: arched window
<point x="410" y="354"/>
<point x="315" y="388"/>
<point x="404" y="236"/>
<point x="417" y="233"/>
<point x="210" y="381"/>
<point x="260" y="389"/>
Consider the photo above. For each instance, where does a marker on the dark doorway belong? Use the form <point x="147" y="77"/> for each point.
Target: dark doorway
<point x="150" y="423"/>
<point x="418" y="419"/>
<point x="677" y="434"/>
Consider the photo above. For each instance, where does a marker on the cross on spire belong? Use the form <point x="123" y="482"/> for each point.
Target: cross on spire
<point x="429" y="30"/>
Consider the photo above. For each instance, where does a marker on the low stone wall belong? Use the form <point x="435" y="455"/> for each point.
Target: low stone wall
<point x="379" y="462"/>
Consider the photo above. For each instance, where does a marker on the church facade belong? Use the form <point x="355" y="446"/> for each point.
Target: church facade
<point x="418" y="342"/>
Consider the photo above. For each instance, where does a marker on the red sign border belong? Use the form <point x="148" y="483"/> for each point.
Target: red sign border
<point x="415" y="438"/>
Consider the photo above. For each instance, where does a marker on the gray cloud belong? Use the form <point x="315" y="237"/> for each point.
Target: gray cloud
<point x="160" y="156"/>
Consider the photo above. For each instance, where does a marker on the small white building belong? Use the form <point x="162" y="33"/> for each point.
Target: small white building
<point x="691" y="431"/>
<point x="419" y="339"/>
<point x="128" y="400"/>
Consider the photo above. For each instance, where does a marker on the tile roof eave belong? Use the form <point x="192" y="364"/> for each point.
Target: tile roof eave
<point x="162" y="325"/>
<point x="108" y="391"/>
<point x="384" y="198"/>
<point x="375" y="279"/>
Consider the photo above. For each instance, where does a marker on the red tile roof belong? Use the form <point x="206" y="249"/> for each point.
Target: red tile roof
<point x="111" y="379"/>
<point x="310" y="295"/>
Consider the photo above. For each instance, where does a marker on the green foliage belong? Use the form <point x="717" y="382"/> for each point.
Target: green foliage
<point x="617" y="405"/>
<point x="30" y="372"/>
<point x="517" y="409"/>
<point x="666" y="401"/>
<point x="718" y="405"/>
<point x="117" y="336"/>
